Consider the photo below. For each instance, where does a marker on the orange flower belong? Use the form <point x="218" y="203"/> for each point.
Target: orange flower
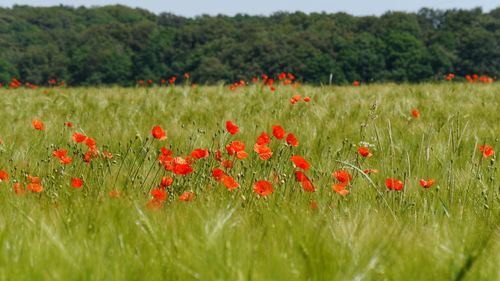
<point x="278" y="132"/>
<point x="187" y="196"/>
<point x="200" y="153"/>
<point x="364" y="151"/>
<point x="340" y="188"/>
<point x="415" y="113"/>
<point x="231" y="127"/>
<point x="300" y="162"/>
<point x="229" y="182"/>
<point x="158" y="133"/>
<point x="487" y="150"/>
<point x="166" y="181"/>
<point x="18" y="189"/>
<point x="76" y="182"/>
<point x="263" y="188"/>
<point x="263" y="139"/>
<point x="426" y="183"/>
<point x="3" y="176"/>
<point x="394" y="184"/>
<point x="291" y="140"/>
<point x="79" y="137"/>
<point x="159" y="194"/>
<point x="37" y="124"/>
<point x="34" y="187"/>
<point x="343" y="176"/>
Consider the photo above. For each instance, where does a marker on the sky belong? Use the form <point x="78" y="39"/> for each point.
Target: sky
<point x="265" y="7"/>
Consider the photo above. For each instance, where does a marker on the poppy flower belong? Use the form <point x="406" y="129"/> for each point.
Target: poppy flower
<point x="307" y="99"/>
<point x="241" y="154"/>
<point x="278" y="132"/>
<point x="91" y="143"/>
<point x="66" y="160"/>
<point x="263" y="188"/>
<point x="218" y="155"/>
<point x="37" y="124"/>
<point x="200" y="153"/>
<point x="187" y="196"/>
<point x="159" y="194"/>
<point x="154" y="204"/>
<point x="426" y="183"/>
<point x="78" y="138"/>
<point x="166" y="181"/>
<point x="343" y="176"/>
<point x="3" y="176"/>
<point x="34" y="187"/>
<point x="229" y="182"/>
<point x="69" y="124"/>
<point x="356" y="83"/>
<point x="340" y="188"/>
<point x="304" y="181"/>
<point x="228" y="164"/>
<point x="76" y="182"/>
<point x="487" y="150"/>
<point x="18" y="189"/>
<point x="217" y="174"/>
<point x="300" y="162"/>
<point x="263" y="139"/>
<point x="364" y="151"/>
<point x="182" y="169"/>
<point x="89" y="155"/>
<point x="394" y="184"/>
<point x="33" y="179"/>
<point x="295" y="99"/>
<point x="263" y="150"/>
<point x="59" y="153"/>
<point x="415" y="113"/>
<point x="291" y="140"/>
<point x="231" y="128"/>
<point x="158" y="133"/>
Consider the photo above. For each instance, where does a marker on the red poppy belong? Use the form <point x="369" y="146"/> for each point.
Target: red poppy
<point x="89" y="155"/>
<point x="159" y="194"/>
<point x="91" y="143"/>
<point x="158" y="133"/>
<point x="394" y="184"/>
<point x="263" y="188"/>
<point x="200" y="153"/>
<point x="18" y="189"/>
<point x="217" y="174"/>
<point x="295" y="99"/>
<point x="228" y="164"/>
<point x="343" y="176"/>
<point x="415" y="113"/>
<point x="487" y="150"/>
<point x="76" y="182"/>
<point x="340" y="188"/>
<point x="69" y="124"/>
<point x="278" y="132"/>
<point x="229" y="182"/>
<point x="300" y="162"/>
<point x="66" y="160"/>
<point x="356" y="83"/>
<point x="3" y="176"/>
<point x="364" y="151"/>
<point x="304" y="181"/>
<point x="34" y="187"/>
<point x="59" y="153"/>
<point x="263" y="139"/>
<point x="182" y="169"/>
<point x="79" y="137"/>
<point x="263" y="150"/>
<point x="166" y="181"/>
<point x="33" y="179"/>
<point x="291" y="140"/>
<point x="426" y="183"/>
<point x="231" y="127"/>
<point x="37" y="124"/>
<point x="187" y="196"/>
<point x="307" y="99"/>
<point x="218" y="155"/>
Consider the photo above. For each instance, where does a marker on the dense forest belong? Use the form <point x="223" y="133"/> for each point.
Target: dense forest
<point x="121" y="45"/>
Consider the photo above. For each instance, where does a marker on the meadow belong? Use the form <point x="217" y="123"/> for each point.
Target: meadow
<point x="121" y="221"/>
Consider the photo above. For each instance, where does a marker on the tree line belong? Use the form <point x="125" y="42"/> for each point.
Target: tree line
<point x="120" y="45"/>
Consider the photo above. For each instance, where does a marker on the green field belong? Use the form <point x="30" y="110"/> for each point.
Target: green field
<point x="450" y="231"/>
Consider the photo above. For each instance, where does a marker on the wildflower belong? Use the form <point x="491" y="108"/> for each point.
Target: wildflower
<point x="263" y="188"/>
<point x="76" y="183"/>
<point x="37" y="124"/>
<point x="300" y="162"/>
<point x="158" y="133"/>
<point x="487" y="150"/>
<point x="364" y="151"/>
<point x="231" y="128"/>
<point x="187" y="196"/>
<point x="394" y="184"/>
<point x="278" y="132"/>
<point x="426" y="183"/>
<point x="343" y="176"/>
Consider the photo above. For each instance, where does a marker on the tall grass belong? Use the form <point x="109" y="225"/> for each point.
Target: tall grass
<point x="448" y="232"/>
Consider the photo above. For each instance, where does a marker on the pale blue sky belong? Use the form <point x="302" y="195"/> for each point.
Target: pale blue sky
<point x="265" y="7"/>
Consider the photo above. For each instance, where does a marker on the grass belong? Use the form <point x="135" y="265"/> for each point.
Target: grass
<point x="448" y="232"/>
